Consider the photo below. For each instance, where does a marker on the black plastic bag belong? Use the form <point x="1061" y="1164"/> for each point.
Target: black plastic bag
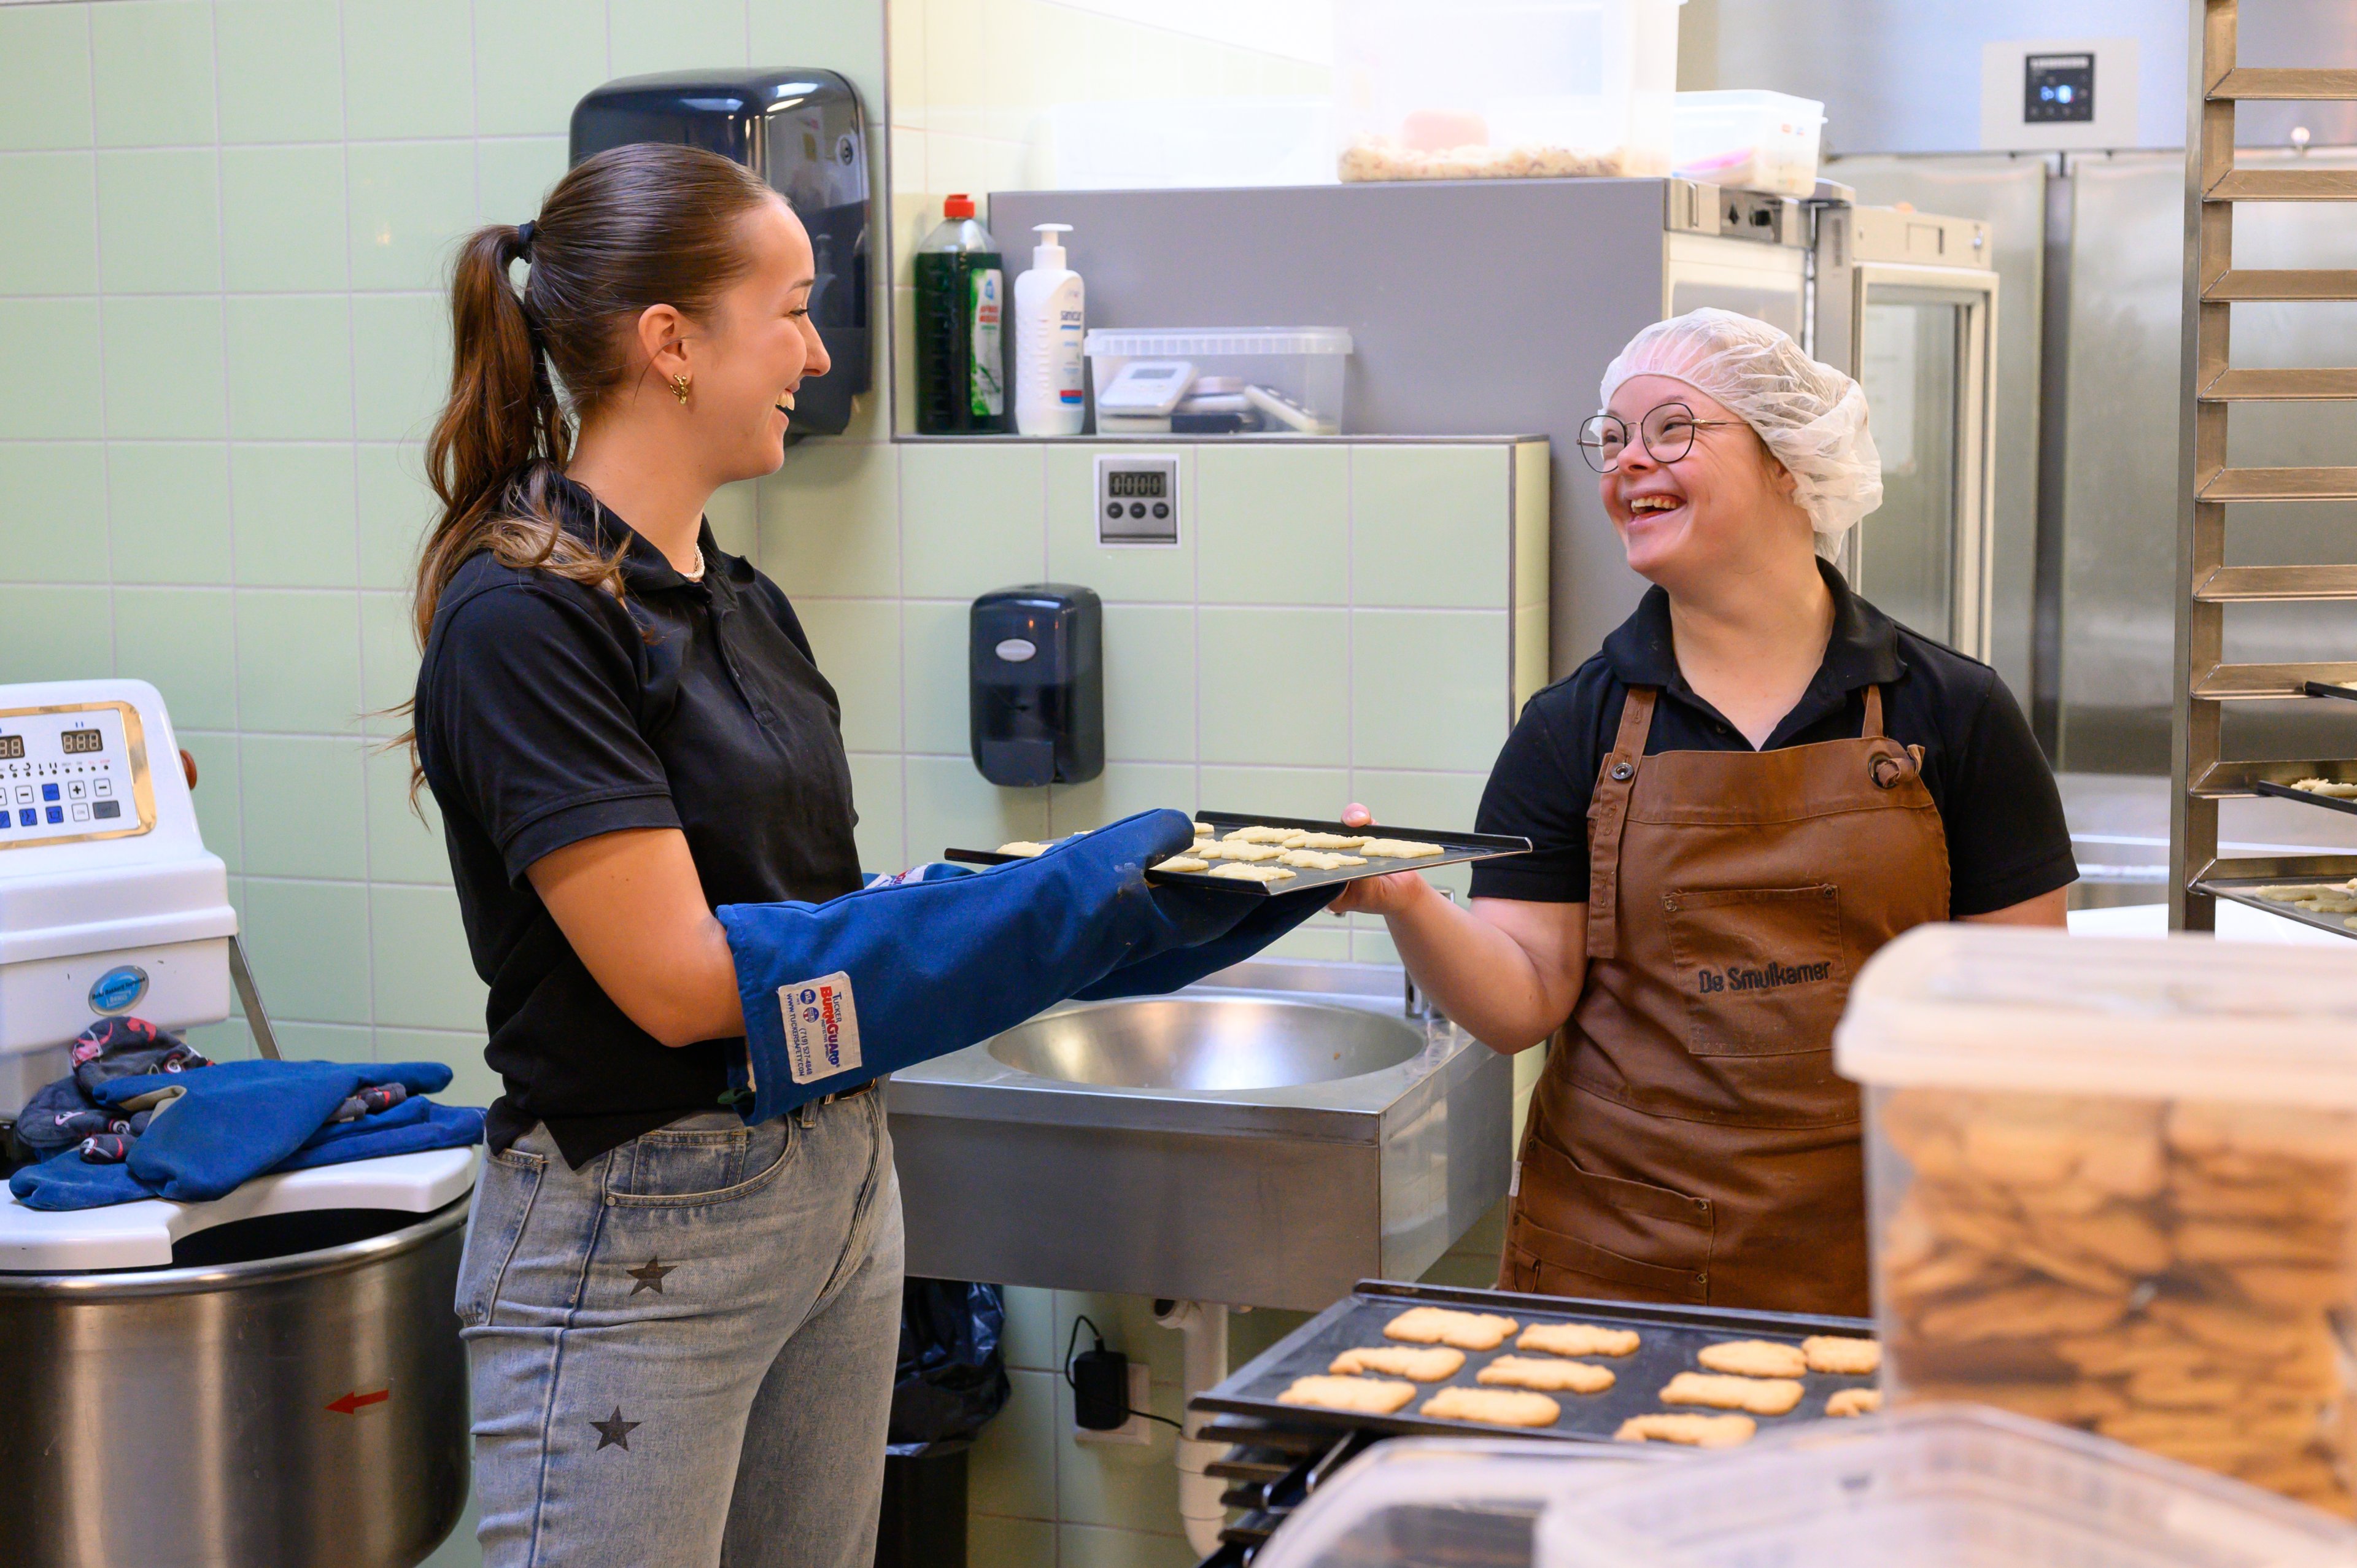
<point x="951" y="1376"/>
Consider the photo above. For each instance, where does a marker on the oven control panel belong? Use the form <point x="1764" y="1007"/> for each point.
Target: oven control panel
<point x="76" y="771"/>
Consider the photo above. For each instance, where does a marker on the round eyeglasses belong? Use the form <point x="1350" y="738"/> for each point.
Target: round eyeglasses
<point x="1668" y="433"/>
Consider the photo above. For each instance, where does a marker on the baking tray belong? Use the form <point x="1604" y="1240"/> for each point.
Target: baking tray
<point x="2242" y="890"/>
<point x="1671" y="1336"/>
<point x="2327" y="688"/>
<point x="2306" y="797"/>
<point x="1455" y="848"/>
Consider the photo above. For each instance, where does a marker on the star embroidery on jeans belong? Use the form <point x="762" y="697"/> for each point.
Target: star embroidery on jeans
<point x="614" y="1432"/>
<point x="651" y="1277"/>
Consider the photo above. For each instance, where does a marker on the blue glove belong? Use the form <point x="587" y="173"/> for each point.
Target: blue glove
<point x="235" y="1120"/>
<point x="841" y="993"/>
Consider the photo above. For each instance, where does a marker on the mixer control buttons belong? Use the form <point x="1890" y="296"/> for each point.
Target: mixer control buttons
<point x="49" y="792"/>
<point x="102" y="788"/>
<point x="27" y="817"/>
<point x="80" y="812"/>
<point x="106" y="809"/>
<point x="57" y="814"/>
<point x="24" y="793"/>
<point x="76" y="790"/>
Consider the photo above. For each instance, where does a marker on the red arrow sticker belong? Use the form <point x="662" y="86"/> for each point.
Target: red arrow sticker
<point x="351" y="1404"/>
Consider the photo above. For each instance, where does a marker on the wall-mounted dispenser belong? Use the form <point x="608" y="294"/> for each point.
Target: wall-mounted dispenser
<point x="799" y="129"/>
<point x="1035" y="697"/>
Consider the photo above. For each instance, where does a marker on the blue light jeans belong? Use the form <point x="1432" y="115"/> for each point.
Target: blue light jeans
<point x="682" y="1353"/>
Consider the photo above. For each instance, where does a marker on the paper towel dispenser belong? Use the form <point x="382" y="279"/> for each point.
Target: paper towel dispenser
<point x="801" y="129"/>
<point x="1036" y="698"/>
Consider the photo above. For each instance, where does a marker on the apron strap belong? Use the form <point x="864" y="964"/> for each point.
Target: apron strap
<point x="1607" y="810"/>
<point x="1872" y="728"/>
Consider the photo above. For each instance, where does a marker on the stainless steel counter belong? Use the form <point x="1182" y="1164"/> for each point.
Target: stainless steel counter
<point x="1282" y="1196"/>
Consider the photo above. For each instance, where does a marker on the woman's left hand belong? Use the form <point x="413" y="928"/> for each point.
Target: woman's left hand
<point x="1394" y="893"/>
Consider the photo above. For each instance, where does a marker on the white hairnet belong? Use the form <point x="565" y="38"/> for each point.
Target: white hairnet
<point x="1812" y="416"/>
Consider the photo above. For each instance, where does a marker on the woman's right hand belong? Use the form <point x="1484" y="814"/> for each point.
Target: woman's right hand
<point x="1393" y="894"/>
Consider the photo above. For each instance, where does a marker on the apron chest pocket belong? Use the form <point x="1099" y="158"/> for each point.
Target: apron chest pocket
<point x="1760" y="967"/>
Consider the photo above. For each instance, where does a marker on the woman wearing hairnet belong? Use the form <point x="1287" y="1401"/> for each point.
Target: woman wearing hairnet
<point x="1759" y="780"/>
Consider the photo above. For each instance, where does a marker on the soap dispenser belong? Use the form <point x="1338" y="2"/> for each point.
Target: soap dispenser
<point x="1051" y="398"/>
<point x="1035" y="663"/>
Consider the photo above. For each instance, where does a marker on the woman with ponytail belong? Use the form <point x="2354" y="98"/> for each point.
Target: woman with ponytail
<point x="681" y="1329"/>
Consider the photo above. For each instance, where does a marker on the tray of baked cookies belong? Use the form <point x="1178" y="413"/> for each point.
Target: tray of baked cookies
<point x="1433" y="1359"/>
<point x="1257" y="854"/>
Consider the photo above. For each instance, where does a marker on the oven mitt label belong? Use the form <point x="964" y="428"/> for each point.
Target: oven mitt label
<point x="821" y="1027"/>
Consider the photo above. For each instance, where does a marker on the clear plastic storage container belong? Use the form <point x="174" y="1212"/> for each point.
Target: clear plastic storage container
<point x="2112" y="1183"/>
<point x="1219" y="380"/>
<point x="1944" y="1487"/>
<point x="1504" y="89"/>
<point x="1415" y="1501"/>
<point x="1749" y="141"/>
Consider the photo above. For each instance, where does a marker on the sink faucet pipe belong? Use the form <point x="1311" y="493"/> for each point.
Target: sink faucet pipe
<point x="1414" y="1003"/>
<point x="1204" y="1341"/>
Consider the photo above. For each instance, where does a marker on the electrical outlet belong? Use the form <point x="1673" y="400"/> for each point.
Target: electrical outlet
<point x="1131" y="1432"/>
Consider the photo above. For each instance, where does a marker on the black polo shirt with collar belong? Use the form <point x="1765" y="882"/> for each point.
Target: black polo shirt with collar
<point x="1999" y="803"/>
<point x="547" y="712"/>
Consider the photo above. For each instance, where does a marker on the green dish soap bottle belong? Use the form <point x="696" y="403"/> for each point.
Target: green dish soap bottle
<point x="961" y="316"/>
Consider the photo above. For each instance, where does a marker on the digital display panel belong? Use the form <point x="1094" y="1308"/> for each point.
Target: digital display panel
<point x="12" y="748"/>
<point x="1139" y="484"/>
<point x="81" y="742"/>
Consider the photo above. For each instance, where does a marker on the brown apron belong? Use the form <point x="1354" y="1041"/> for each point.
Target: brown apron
<point x="1689" y="1140"/>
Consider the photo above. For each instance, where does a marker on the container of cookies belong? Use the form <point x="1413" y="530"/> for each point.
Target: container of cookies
<point x="1416" y="1501"/>
<point x="1441" y="1361"/>
<point x="2112" y="1183"/>
<point x="1934" y="1487"/>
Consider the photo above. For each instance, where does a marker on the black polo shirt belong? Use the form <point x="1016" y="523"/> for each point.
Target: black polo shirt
<point x="2006" y="839"/>
<point x="547" y="712"/>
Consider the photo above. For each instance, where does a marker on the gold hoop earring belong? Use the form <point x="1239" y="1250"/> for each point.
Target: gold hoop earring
<point x="678" y="386"/>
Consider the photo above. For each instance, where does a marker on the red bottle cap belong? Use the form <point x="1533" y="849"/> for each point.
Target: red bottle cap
<point x="958" y="205"/>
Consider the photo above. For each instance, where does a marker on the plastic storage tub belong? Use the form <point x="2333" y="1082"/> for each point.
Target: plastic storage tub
<point x="1415" y="1501"/>
<point x="1749" y="140"/>
<point x="1937" y="1487"/>
<point x="1504" y="89"/>
<point x="1278" y="380"/>
<point x="2112" y="1183"/>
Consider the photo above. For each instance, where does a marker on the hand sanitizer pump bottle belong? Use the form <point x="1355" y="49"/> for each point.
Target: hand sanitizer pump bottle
<point x="1051" y="398"/>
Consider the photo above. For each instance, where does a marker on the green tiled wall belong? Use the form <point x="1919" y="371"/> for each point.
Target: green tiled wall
<point x="225" y="224"/>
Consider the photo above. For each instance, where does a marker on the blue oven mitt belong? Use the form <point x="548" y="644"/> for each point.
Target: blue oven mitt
<point x="897" y="974"/>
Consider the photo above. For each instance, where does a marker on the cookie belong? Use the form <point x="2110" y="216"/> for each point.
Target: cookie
<point x="1234" y="873"/>
<point x="1754" y="1359"/>
<point x="1235" y="848"/>
<point x="1318" y="860"/>
<point x="1492" y="1407"/>
<point x="1577" y="1339"/>
<point x="1023" y="849"/>
<point x="1693" y="1430"/>
<point x="1434" y="1365"/>
<point x="1259" y="834"/>
<point x="1842" y="1356"/>
<point x="1415" y="849"/>
<point x="1367" y="1396"/>
<point x="1546" y="1373"/>
<point x="1331" y="841"/>
<point x="1203" y="830"/>
<point x="1760" y="1396"/>
<point x="1182" y="863"/>
<point x="1439" y="1325"/>
<point x="1854" y="1402"/>
<point x="2024" y="1312"/>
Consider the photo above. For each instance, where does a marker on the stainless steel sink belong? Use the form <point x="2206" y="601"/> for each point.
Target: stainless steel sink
<point x="1266" y="1141"/>
<point x="1227" y="1042"/>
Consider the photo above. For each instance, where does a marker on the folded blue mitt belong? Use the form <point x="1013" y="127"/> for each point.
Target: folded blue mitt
<point x="235" y="1120"/>
<point x="841" y="993"/>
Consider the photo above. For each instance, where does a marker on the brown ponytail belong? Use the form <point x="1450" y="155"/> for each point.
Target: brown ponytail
<point x="632" y="228"/>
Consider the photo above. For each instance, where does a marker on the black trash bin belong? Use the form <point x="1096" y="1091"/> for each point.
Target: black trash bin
<point x="952" y="1378"/>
